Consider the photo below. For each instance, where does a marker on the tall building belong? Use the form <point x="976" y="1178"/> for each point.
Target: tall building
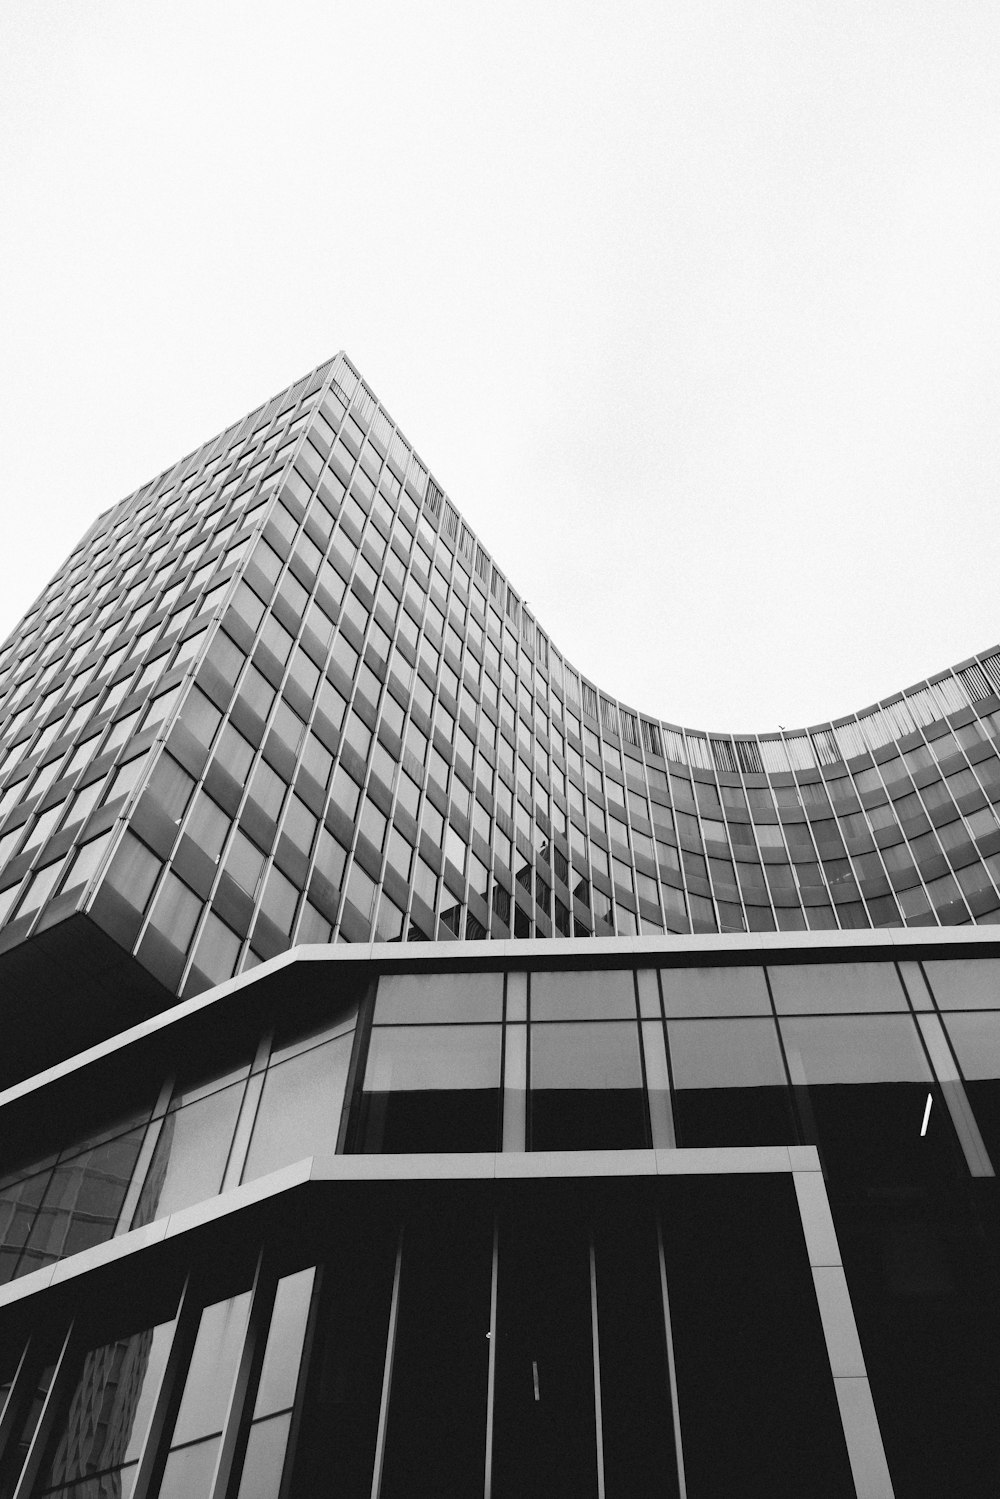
<point x="302" y="1194"/>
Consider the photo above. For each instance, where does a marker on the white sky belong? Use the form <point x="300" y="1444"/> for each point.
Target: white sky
<point x="692" y="307"/>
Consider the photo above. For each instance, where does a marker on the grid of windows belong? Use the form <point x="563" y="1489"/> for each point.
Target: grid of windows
<point x="281" y="694"/>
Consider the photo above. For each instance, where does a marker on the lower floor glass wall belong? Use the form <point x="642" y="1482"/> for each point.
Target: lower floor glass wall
<point x="889" y="1067"/>
<point x="550" y="1338"/>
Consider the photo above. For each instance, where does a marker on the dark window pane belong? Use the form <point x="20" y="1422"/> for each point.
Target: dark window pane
<point x="921" y="1271"/>
<point x="739" y="1281"/>
<point x="438" y="1405"/>
<point x="544" y="1444"/>
<point x="636" y="1418"/>
<point x="335" y="1450"/>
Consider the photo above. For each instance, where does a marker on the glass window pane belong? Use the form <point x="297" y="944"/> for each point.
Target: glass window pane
<point x="586" y="1086"/>
<point x="431" y="1088"/>
<point x="729" y="1083"/>
<point x="82" y="1201"/>
<point x="176" y="911"/>
<point x="190" y="1155"/>
<point x="862" y="1049"/>
<point x="188" y="1471"/>
<point x="725" y="1054"/>
<point x="976" y="1039"/>
<point x="265" y="1458"/>
<point x="280" y="1371"/>
<point x="970" y="984"/>
<point x="715" y="991"/>
<point x="583" y="996"/>
<point x="117" y="1386"/>
<point x="300" y="1108"/>
<point x="217" y="951"/>
<point x="439" y="996"/>
<point x="212" y="1369"/>
<point x="812" y="988"/>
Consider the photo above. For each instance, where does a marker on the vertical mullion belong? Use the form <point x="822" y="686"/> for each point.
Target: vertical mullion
<point x="647" y="1108"/>
<point x="356" y="1067"/>
<point x="46" y="1420"/>
<point x="236" y="1425"/>
<point x="491" y="1376"/>
<point x="316" y="1299"/>
<point x="390" y="1350"/>
<point x="149" y="1469"/>
<point x="671" y="1365"/>
<point x="144" y="1159"/>
<point x="16" y="1403"/>
<point x="239" y="1145"/>
<point x="595" y="1338"/>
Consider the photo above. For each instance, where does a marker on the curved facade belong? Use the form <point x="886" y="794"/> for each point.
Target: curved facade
<point x="283" y="694"/>
<point x="670" y="1213"/>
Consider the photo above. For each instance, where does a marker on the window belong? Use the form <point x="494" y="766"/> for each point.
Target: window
<point x="175" y="911"/>
<point x="267" y="789"/>
<point x="279" y="901"/>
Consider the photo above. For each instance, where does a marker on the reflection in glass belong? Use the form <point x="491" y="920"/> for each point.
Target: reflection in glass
<point x="82" y="1202"/>
<point x="108" y="1414"/>
<point x="18" y="1205"/>
<point x="586" y="1086"/>
<point x="431" y="1088"/>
